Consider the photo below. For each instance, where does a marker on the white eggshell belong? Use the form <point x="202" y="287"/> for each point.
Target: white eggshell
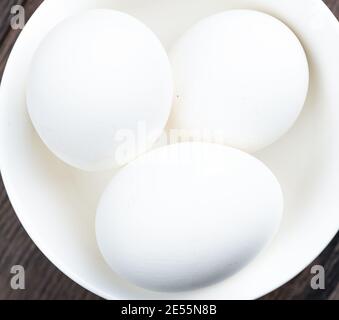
<point x="242" y="75"/>
<point x="188" y="215"/>
<point x="95" y="80"/>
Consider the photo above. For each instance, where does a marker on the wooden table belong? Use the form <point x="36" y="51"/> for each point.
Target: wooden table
<point x="44" y="281"/>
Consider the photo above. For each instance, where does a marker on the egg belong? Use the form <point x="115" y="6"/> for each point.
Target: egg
<point x="242" y="76"/>
<point x="99" y="81"/>
<point x="187" y="215"/>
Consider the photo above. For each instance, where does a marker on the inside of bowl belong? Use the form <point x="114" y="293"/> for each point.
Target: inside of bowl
<point x="57" y="203"/>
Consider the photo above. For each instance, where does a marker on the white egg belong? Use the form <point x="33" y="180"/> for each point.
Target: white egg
<point x="187" y="215"/>
<point x="97" y="80"/>
<point x="242" y="76"/>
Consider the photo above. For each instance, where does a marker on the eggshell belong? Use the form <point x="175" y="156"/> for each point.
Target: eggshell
<point x="242" y="75"/>
<point x="187" y="215"/>
<point x="99" y="80"/>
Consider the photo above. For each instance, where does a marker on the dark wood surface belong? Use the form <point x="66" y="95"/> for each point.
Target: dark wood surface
<point x="44" y="281"/>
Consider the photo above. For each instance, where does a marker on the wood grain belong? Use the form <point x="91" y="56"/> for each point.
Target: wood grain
<point x="45" y="282"/>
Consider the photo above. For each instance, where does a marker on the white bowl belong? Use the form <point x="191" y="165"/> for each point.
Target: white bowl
<point x="56" y="203"/>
